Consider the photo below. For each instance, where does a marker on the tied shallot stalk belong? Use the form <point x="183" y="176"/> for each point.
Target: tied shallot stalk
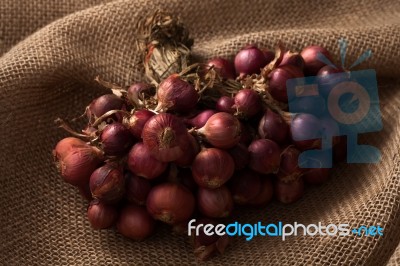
<point x="165" y="44"/>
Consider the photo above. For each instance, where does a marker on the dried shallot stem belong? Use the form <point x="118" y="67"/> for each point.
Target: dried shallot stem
<point x="279" y="52"/>
<point x="100" y="119"/>
<point x="62" y="124"/>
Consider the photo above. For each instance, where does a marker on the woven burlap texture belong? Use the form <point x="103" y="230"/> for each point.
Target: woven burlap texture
<point x="50" y="74"/>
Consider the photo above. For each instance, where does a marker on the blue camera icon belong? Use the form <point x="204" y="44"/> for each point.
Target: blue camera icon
<point x="350" y="100"/>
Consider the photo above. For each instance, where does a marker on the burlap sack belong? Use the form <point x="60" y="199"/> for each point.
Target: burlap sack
<point x="50" y="74"/>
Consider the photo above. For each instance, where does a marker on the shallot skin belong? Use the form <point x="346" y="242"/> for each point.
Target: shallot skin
<point x="170" y="203"/>
<point x="212" y="168"/>
<point x="175" y="94"/>
<point x="222" y="130"/>
<point x="312" y="64"/>
<point x="200" y="119"/>
<point x="165" y="135"/>
<point x="102" y="105"/>
<point x="249" y="61"/>
<point x="101" y="215"/>
<point x="278" y="78"/>
<point x="76" y="162"/>
<point x="248" y="103"/>
<point x="137" y="189"/>
<point x="142" y="163"/>
<point x="107" y="183"/>
<point x="273" y="127"/>
<point x="215" y="203"/>
<point x="264" y="156"/>
<point x="225" y="104"/>
<point x="135" y="123"/>
<point x="115" y="139"/>
<point x="135" y="223"/>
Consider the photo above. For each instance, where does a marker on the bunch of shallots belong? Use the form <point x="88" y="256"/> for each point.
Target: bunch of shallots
<point x="197" y="140"/>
